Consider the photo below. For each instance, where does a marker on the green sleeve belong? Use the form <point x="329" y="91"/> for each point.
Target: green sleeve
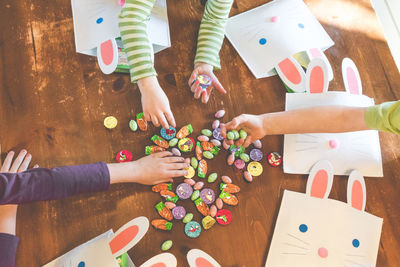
<point x="384" y="117"/>
<point x="212" y="31"/>
<point x="133" y="27"/>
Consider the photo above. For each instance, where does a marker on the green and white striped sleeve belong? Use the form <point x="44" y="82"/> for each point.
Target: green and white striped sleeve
<point x="133" y="27"/>
<point x="212" y="31"/>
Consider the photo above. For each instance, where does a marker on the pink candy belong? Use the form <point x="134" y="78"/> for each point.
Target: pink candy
<point x="220" y="114"/>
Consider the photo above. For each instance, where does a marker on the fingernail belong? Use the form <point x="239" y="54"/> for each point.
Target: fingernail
<point x="23" y="151"/>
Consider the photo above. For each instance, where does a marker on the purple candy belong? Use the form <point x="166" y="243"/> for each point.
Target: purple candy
<point x="256" y="154"/>
<point x="217" y="134"/>
<point x="207" y="195"/>
<point x="184" y="191"/>
<point x="178" y="212"/>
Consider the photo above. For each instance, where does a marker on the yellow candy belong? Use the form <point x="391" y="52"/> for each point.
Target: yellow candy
<point x="110" y="122"/>
<point x="255" y="168"/>
<point x="191" y="172"/>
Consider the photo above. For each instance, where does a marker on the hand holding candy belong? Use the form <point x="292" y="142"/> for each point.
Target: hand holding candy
<point x="252" y="124"/>
<point x="205" y="70"/>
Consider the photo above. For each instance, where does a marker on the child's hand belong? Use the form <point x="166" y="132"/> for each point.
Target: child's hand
<point x="155" y="103"/>
<point x="21" y="162"/>
<point x="252" y="124"/>
<point x="205" y="69"/>
<point x="153" y="169"/>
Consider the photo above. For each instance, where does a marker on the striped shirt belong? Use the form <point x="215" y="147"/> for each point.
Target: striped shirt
<point x="133" y="25"/>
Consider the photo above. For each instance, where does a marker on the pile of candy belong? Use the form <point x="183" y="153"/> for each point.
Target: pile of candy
<point x="206" y="147"/>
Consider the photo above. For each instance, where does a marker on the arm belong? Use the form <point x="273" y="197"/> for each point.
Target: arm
<point x="133" y="27"/>
<point x="209" y="43"/>
<point x="327" y="119"/>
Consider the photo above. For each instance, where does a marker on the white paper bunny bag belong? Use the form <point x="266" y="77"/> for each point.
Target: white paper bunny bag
<point x="346" y="151"/>
<point x="312" y="230"/>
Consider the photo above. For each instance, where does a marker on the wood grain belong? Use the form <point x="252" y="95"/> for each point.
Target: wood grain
<point x="53" y="102"/>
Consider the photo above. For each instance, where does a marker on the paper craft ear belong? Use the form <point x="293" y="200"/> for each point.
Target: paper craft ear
<point x="107" y="56"/>
<point x="317" y="77"/>
<point x="292" y="74"/>
<point x="198" y="258"/>
<point x="356" y="191"/>
<point x="319" y="183"/>
<point x="318" y="53"/>
<point x="351" y="77"/>
<point x="128" y="235"/>
<point x="161" y="260"/>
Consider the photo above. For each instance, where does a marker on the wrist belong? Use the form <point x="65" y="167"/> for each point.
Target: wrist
<point x="266" y="124"/>
<point x="148" y="83"/>
<point x="122" y="172"/>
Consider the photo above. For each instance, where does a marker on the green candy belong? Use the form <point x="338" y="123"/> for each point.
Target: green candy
<point x="195" y="195"/>
<point x="245" y="157"/>
<point x="236" y="135"/>
<point x="212" y="177"/>
<point x="230" y="135"/>
<point x="243" y="134"/>
<point x="133" y="125"/>
<point x="208" y="155"/>
<point x="173" y="142"/>
<point x="215" y="150"/>
<point x="188" y="217"/>
<point x="194" y="162"/>
<point x="206" y="132"/>
<point x="166" y="245"/>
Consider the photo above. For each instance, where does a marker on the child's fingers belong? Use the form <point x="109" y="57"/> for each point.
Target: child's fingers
<point x="174" y="159"/>
<point x="218" y="85"/>
<point x="163" y="121"/>
<point x="18" y="160"/>
<point x="193" y="77"/>
<point x="25" y="164"/>
<point x="239" y="142"/>
<point x="247" y="142"/>
<point x="36" y="166"/>
<point x="7" y="162"/>
<point x="163" y="154"/>
<point x="178" y="173"/>
<point x="194" y="86"/>
<point x="147" y="116"/>
<point x="170" y="118"/>
<point x="178" y="166"/>
<point x="198" y="92"/>
<point x="155" y="120"/>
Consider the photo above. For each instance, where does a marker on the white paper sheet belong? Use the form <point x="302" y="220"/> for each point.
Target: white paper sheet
<point x="356" y="150"/>
<point x="296" y="30"/>
<point x="89" y="34"/>
<point x="332" y="225"/>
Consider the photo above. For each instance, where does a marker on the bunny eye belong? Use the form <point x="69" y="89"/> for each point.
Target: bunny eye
<point x="81" y="264"/>
<point x="262" y="41"/>
<point x="303" y="228"/>
<point x="301" y="25"/>
<point x="99" y="20"/>
<point x="356" y="243"/>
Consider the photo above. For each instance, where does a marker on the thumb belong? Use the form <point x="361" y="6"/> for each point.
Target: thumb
<point x="193" y="77"/>
<point x="218" y="85"/>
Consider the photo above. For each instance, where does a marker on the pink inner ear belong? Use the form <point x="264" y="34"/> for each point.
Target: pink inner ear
<point x="290" y="71"/>
<point x="202" y="262"/>
<point x="160" y="264"/>
<point x="357" y="195"/>
<point x="121" y="240"/>
<point x="107" y="53"/>
<point x="320" y="184"/>
<point x="317" y="80"/>
<point x="315" y="52"/>
<point x="352" y="81"/>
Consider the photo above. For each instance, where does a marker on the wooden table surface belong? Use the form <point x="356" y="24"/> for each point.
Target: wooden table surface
<point x="53" y="102"/>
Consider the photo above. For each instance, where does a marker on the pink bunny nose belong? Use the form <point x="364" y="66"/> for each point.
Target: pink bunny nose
<point x="333" y="143"/>
<point x="275" y="19"/>
<point x="323" y="252"/>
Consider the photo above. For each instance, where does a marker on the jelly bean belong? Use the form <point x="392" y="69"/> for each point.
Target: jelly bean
<point x="226" y="179"/>
<point x="206" y="132"/>
<point x="208" y="155"/>
<point x="170" y="205"/>
<point x="195" y="195"/>
<point x="194" y="162"/>
<point x="203" y="138"/>
<point x="215" y="142"/>
<point x="198" y="186"/>
<point x="225" y="144"/>
<point x="219" y="203"/>
<point x="213" y="211"/>
<point x="133" y="125"/>
<point x="231" y="159"/>
<point x="166" y="245"/>
<point x="173" y="142"/>
<point x="245" y="157"/>
<point x="236" y="135"/>
<point x="176" y="151"/>
<point x="230" y="135"/>
<point x="257" y="144"/>
<point x="220" y="113"/>
<point x="190" y="182"/>
<point x="212" y="177"/>
<point x="242" y="134"/>
<point x="188" y="217"/>
<point x="215" y="124"/>
<point x="248" y="177"/>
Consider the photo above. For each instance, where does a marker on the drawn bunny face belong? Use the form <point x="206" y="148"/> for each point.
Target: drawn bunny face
<point x="104" y="249"/>
<point x="312" y="230"/>
<point x="346" y="151"/>
<point x="269" y="34"/>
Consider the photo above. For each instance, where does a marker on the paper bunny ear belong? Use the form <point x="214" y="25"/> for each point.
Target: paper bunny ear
<point x="292" y="74"/>
<point x="356" y="191"/>
<point x="351" y="77"/>
<point x="198" y="258"/>
<point x="161" y="260"/>
<point x="107" y="56"/>
<point x="317" y="77"/>
<point x="319" y="183"/>
<point x="128" y="235"/>
<point x="318" y="53"/>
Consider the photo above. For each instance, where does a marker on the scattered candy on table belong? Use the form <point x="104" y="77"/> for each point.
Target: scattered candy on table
<point x="133" y="125"/>
<point x="168" y="134"/>
<point x="192" y="229"/>
<point x="123" y="156"/>
<point x="141" y="121"/>
<point x="166" y="245"/>
<point x="110" y="122"/>
<point x="274" y="159"/>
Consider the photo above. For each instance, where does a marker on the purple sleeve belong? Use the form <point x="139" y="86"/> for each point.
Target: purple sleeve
<point x="48" y="184"/>
<point x="8" y="249"/>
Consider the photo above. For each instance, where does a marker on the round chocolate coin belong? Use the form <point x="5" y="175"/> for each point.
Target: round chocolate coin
<point x="274" y="159"/>
<point x="184" y="191"/>
<point x="207" y="195"/>
<point x="186" y="144"/>
<point x="224" y="217"/>
<point x="256" y="154"/>
<point x="192" y="229"/>
<point x="255" y="168"/>
<point x="168" y="134"/>
<point x="178" y="212"/>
